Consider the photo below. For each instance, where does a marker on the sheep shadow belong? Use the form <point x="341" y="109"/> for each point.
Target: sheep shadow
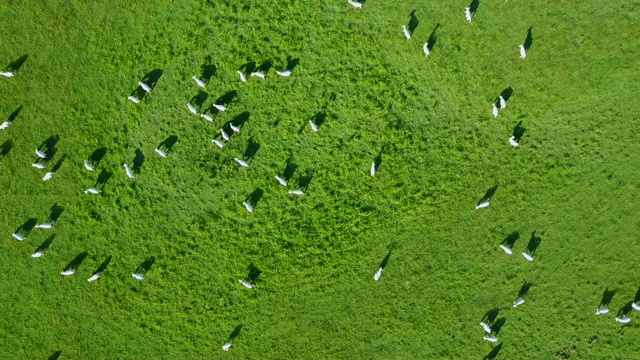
<point x="493" y="353"/>
<point x="289" y="170"/>
<point x="15" y="65"/>
<point x="208" y="71"/>
<point x="138" y="160"/>
<point x="533" y="244"/>
<point x="254" y="273"/>
<point x="318" y="119"/>
<point x="252" y="149"/>
<point x="385" y="261"/>
<point x="56" y="211"/>
<point x="234" y="334"/>
<point x="97" y="155"/>
<point x="490" y="316"/>
<point x="607" y="295"/>
<point x="199" y="99"/>
<point x="378" y="160"/>
<point x="248" y="68"/>
<point x="240" y="119"/>
<point x="293" y="62"/>
<point x="152" y="78"/>
<point x="76" y="262"/>
<point x="265" y="66"/>
<point x="524" y="289"/>
<point x="45" y="245"/>
<point x="625" y="310"/>
<point x="511" y="239"/>
<point x="413" y="22"/>
<point x="103" y="266"/>
<point x="167" y="144"/>
<point x="488" y="195"/>
<point x="5" y="148"/>
<point x="304" y="181"/>
<point x="15" y="114"/>
<point x="227" y="98"/>
<point x="103" y="178"/>
<point x="25" y="229"/>
<point x="433" y="38"/>
<point x="146" y="265"/>
<point x="506" y="93"/>
<point x="496" y="326"/>
<point x="55" y="355"/>
<point x="49" y="146"/>
<point x="473" y="7"/>
<point x="637" y="297"/>
<point x="254" y="197"/>
<point x="58" y="164"/>
<point x="518" y="131"/>
<point x="529" y="40"/>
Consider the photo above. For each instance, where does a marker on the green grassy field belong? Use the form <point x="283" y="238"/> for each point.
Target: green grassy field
<point x="573" y="180"/>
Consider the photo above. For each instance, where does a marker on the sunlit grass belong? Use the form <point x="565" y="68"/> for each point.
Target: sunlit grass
<point x="573" y="180"/>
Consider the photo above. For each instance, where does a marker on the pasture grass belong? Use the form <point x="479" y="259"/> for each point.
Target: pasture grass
<point x="573" y="180"/>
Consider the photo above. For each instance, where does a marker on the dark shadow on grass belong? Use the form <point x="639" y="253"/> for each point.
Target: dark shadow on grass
<point x="265" y="66"/>
<point x="319" y="118"/>
<point x="15" y="65"/>
<point x="45" y="245"/>
<point x="378" y="160"/>
<point x="97" y="155"/>
<point x="433" y="38"/>
<point x="25" y="229"/>
<point x="76" y="262"/>
<point x="289" y="170"/>
<point x="49" y="145"/>
<point x="511" y="239"/>
<point x="103" y="178"/>
<point x="152" y="78"/>
<point x="199" y="99"/>
<point x="252" y="149"/>
<point x="55" y="212"/>
<point x="625" y="310"/>
<point x="506" y="93"/>
<point x="15" y="114"/>
<point x="518" y="131"/>
<point x="235" y="332"/>
<point x="167" y="144"/>
<point x="385" y="261"/>
<point x="304" y="181"/>
<point x="208" y="71"/>
<point x="534" y="242"/>
<point x="103" y="266"/>
<point x="254" y="197"/>
<point x="493" y="353"/>
<point x="58" y="164"/>
<point x="55" y="355"/>
<point x="488" y="195"/>
<point x="254" y="273"/>
<point x="146" y="265"/>
<point x="227" y="98"/>
<point x="248" y="68"/>
<point x="240" y="119"/>
<point x="138" y="161"/>
<point x="607" y="295"/>
<point x="636" y="299"/>
<point x="529" y="40"/>
<point x="292" y="63"/>
<point x="524" y="289"/>
<point x="5" y="148"/>
<point x="413" y="22"/>
<point x="473" y="7"/>
<point x="496" y="326"/>
<point x="490" y="316"/>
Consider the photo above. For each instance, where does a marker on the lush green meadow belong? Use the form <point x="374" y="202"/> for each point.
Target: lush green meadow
<point x="573" y="180"/>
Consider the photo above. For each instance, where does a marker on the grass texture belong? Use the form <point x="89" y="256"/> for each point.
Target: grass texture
<point x="573" y="180"/>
